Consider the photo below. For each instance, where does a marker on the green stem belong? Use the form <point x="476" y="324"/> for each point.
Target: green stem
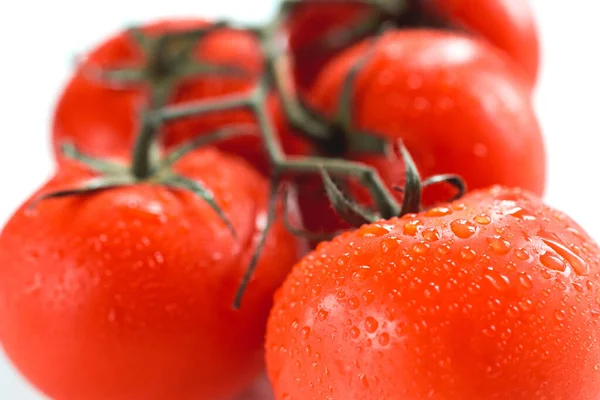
<point x="197" y="108"/>
<point x="368" y="176"/>
<point x="142" y="153"/>
<point x="267" y="127"/>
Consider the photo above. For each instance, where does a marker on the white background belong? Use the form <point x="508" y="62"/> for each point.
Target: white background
<point x="39" y="39"/>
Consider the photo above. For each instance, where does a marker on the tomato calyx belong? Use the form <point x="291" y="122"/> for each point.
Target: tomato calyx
<point x="356" y="214"/>
<point x="169" y="60"/>
<point x="158" y="168"/>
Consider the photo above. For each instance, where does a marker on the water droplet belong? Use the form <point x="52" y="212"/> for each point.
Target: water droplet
<point x="343" y="259"/>
<point x="525" y="280"/>
<point x="444" y="104"/>
<point x="511" y="267"/>
<point x="494" y="304"/>
<point x="411" y="227"/>
<point x="305" y="332"/>
<point x="145" y="240"/>
<point x="160" y="259"/>
<point x="421" y="103"/>
<point x="578" y="264"/>
<point x="521" y="213"/>
<point x="573" y="310"/>
<point x="384" y="339"/>
<point x="368" y="297"/>
<point x="462" y="228"/>
<point x="438" y="212"/>
<point x="316" y="290"/>
<point x="431" y="235"/>
<point x="552" y="261"/>
<point x="499" y="245"/>
<point x="374" y="230"/>
<point x="431" y="291"/>
<point x="420" y="248"/>
<point x="506" y="334"/>
<point x="522" y="254"/>
<point x="353" y="302"/>
<point x="443" y="249"/>
<point x="512" y="312"/>
<point x="371" y="325"/>
<point x="545" y="273"/>
<point x="560" y="315"/>
<point x="578" y="286"/>
<point x="354" y="332"/>
<point x="308" y="351"/>
<point x="390" y="243"/>
<point x="490" y="331"/>
<point x="294" y="325"/>
<point x="361" y="274"/>
<point x="526" y="305"/>
<point x="414" y="81"/>
<point x="480" y="150"/>
<point x="474" y="288"/>
<point x="499" y="281"/>
<point x="364" y="380"/>
<point x="322" y="315"/>
<point x="483" y="219"/>
<point x="467" y="253"/>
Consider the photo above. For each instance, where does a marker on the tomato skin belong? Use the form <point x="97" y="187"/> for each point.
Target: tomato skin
<point x="127" y="293"/>
<point x="507" y="24"/>
<point x="465" y="301"/>
<point x="103" y="121"/>
<point x="456" y="103"/>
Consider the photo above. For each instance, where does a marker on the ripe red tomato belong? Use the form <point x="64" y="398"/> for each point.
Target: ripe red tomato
<point x="102" y="120"/>
<point x="492" y="297"/>
<point x="456" y="103"/>
<point x="507" y="24"/>
<point x="126" y="294"/>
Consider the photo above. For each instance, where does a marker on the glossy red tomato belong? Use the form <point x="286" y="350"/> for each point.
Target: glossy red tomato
<point x="126" y="294"/>
<point x="492" y="297"/>
<point x="507" y="24"/>
<point x="102" y="120"/>
<point x="457" y="104"/>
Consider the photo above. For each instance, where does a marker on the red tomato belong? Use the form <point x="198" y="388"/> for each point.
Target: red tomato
<point x="507" y="24"/>
<point x="126" y="294"/>
<point x="492" y="297"/>
<point x="101" y="120"/>
<point x="456" y="103"/>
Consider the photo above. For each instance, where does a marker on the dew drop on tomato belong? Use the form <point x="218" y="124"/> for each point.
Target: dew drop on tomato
<point x="552" y="261"/>
<point x="580" y="267"/>
<point x="499" y="281"/>
<point x="462" y="228"/>
<point x="468" y="254"/>
<point x="499" y="245"/>
<point x="482" y="219"/>
<point x="371" y="325"/>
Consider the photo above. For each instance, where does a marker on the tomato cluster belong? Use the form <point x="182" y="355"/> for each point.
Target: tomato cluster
<point x="197" y="161"/>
